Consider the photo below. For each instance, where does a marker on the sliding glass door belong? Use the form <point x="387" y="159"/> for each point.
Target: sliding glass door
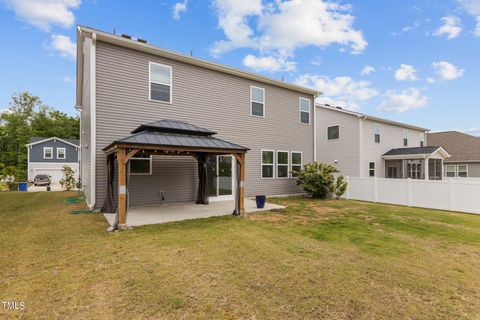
<point x="220" y="176"/>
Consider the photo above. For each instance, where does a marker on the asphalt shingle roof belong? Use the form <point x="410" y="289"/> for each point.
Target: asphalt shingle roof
<point x="409" y="151"/>
<point x="462" y="146"/>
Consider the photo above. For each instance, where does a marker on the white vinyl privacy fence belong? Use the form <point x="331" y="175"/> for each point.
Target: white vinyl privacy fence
<point x="451" y="194"/>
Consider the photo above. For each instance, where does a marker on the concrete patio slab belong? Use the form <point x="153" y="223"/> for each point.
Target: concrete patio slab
<point x="169" y="212"/>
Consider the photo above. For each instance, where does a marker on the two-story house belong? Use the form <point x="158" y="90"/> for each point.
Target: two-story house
<point x="150" y="108"/>
<point x="49" y="155"/>
<point x="360" y="145"/>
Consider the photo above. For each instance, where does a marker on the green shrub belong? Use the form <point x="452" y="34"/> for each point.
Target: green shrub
<point x="317" y="179"/>
<point x="340" y="187"/>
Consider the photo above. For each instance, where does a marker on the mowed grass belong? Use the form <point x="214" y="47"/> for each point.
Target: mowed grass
<point x="319" y="259"/>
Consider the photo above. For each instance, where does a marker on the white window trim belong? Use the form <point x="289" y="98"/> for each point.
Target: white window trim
<point x="461" y="165"/>
<point x="405" y="137"/>
<point x="51" y="152"/>
<point x="64" y="153"/>
<point x="251" y="101"/>
<point x="375" y="126"/>
<point x="143" y="174"/>
<point x="454" y="170"/>
<point x="374" y="169"/>
<point x="284" y="165"/>
<point x="150" y="63"/>
<point x="421" y="137"/>
<point x="300" y="110"/>
<point x="267" y="164"/>
<point x="334" y="125"/>
<point x="291" y="162"/>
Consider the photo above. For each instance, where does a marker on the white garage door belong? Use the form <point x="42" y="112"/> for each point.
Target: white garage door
<point x="56" y="174"/>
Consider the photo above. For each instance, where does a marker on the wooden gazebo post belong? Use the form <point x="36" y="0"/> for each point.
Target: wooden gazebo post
<point x="241" y="180"/>
<point x="122" y="188"/>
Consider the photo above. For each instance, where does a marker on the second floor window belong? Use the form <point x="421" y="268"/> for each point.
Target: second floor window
<point x="47" y="153"/>
<point x="422" y="139"/>
<point x="405" y="137"/>
<point x="160" y="82"/>
<point x="257" y="101"/>
<point x="304" y="110"/>
<point x="376" y="133"/>
<point x="61" y="153"/>
<point x="333" y="132"/>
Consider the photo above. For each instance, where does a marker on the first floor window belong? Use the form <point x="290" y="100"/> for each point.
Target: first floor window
<point x="282" y="164"/>
<point x="371" y="169"/>
<point x="141" y="165"/>
<point x="333" y="132"/>
<point x="160" y="82"/>
<point x="268" y="160"/>
<point x="47" y="153"/>
<point x="296" y="163"/>
<point x="462" y="170"/>
<point x="450" y="171"/>
<point x="61" y="153"/>
<point x="414" y="169"/>
<point x="304" y="110"/>
<point x="257" y="101"/>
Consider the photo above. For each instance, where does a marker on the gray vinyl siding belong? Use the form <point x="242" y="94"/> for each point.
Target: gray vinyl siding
<point x="346" y="149"/>
<point x="85" y="126"/>
<point x="391" y="137"/>
<point x="206" y="98"/>
<point x="473" y="168"/>
<point x="36" y="152"/>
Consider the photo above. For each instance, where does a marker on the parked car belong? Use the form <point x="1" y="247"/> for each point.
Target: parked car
<point x="42" y="180"/>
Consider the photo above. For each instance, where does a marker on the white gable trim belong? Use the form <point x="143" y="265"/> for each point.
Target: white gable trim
<point x="52" y="138"/>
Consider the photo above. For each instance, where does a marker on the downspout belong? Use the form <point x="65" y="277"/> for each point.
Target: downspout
<point x="315" y="96"/>
<point x="360" y="144"/>
<point x="93" y="121"/>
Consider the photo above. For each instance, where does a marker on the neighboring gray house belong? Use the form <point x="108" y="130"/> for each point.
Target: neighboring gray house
<point x="361" y="145"/>
<point x="49" y="155"/>
<point x="125" y="84"/>
<point x="465" y="151"/>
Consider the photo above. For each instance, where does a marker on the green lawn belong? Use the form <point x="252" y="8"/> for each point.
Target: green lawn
<point x="319" y="259"/>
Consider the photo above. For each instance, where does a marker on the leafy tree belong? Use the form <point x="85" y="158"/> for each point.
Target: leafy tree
<point x="317" y="179"/>
<point x="340" y="187"/>
<point x="26" y="117"/>
<point x="16" y="131"/>
<point x="68" y="180"/>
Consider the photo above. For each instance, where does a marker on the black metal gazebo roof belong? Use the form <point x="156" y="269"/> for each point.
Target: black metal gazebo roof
<point x="173" y="133"/>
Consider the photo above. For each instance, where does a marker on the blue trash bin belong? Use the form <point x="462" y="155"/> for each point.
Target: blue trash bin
<point x="23" y="186"/>
<point x="260" y="201"/>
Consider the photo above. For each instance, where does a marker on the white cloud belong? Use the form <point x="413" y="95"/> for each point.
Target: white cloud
<point x="67" y="79"/>
<point x="406" y="72"/>
<point x="44" y="14"/>
<point x="405" y="100"/>
<point x="471" y="6"/>
<point x="477" y="28"/>
<point x="179" y="8"/>
<point x="430" y="80"/>
<point x="447" y="71"/>
<point x="284" y="26"/>
<point x="473" y="131"/>
<point x="451" y="27"/>
<point x="268" y="63"/>
<point x="64" y="46"/>
<point x="340" y="91"/>
<point x="367" y="70"/>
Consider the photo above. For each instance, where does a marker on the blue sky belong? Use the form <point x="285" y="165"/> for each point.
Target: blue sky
<point x="419" y="58"/>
